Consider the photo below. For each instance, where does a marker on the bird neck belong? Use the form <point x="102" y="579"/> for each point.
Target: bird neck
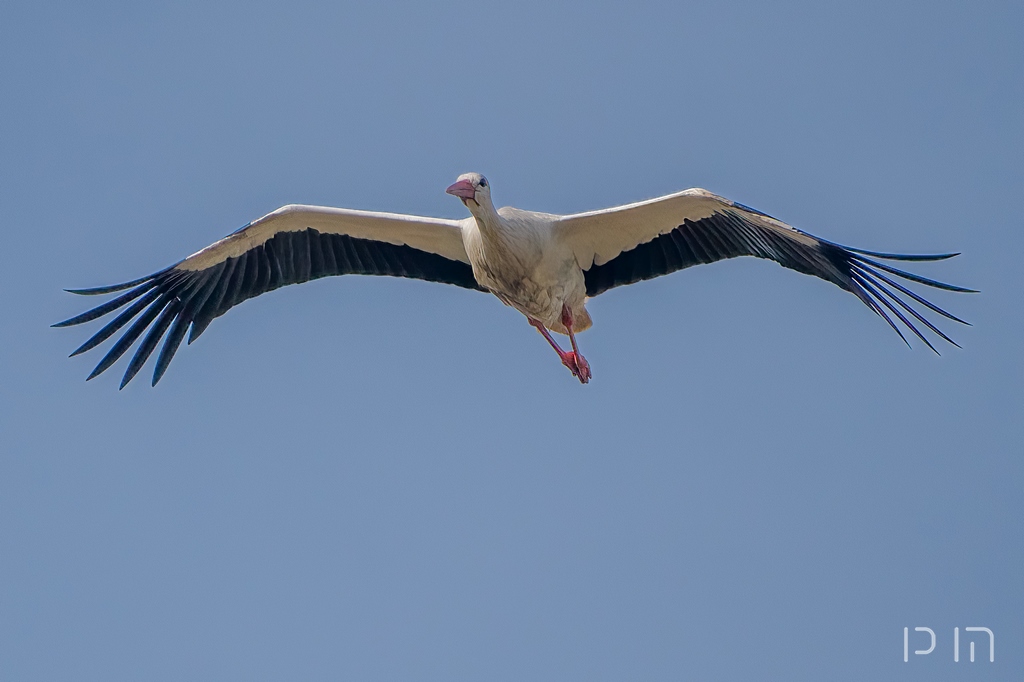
<point x="489" y="223"/>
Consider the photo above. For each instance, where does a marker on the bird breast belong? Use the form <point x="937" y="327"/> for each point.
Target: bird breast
<point x="519" y="263"/>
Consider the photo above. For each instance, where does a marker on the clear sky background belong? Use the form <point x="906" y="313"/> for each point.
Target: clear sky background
<point x="382" y="479"/>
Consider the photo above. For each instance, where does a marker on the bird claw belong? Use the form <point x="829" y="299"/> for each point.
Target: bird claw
<point x="582" y="369"/>
<point x="578" y="365"/>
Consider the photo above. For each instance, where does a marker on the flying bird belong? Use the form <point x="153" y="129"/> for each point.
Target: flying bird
<point x="545" y="266"/>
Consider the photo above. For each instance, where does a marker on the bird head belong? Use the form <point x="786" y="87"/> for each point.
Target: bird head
<point x="473" y="189"/>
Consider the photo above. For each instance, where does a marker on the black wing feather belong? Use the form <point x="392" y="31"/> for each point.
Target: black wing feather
<point x="152" y="338"/>
<point x="114" y="325"/>
<point x="729" y="234"/>
<point x="182" y="300"/>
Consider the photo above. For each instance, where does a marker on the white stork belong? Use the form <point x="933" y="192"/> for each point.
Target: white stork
<point x="543" y="265"/>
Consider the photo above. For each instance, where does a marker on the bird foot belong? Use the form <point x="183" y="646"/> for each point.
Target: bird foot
<point x="582" y="368"/>
<point x="578" y="365"/>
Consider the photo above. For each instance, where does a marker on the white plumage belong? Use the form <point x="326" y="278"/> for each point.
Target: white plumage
<point x="544" y="265"/>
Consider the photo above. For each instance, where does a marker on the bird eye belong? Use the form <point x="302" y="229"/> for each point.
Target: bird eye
<point x="483" y="182"/>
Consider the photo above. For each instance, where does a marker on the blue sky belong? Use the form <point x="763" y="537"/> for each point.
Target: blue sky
<point x="370" y="478"/>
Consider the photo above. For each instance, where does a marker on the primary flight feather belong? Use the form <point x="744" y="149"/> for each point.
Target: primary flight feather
<point x="544" y="265"/>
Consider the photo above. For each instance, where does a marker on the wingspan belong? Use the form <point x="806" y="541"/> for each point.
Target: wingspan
<point x="640" y="241"/>
<point x="292" y="245"/>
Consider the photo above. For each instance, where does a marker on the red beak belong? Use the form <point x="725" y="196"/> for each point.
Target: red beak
<point x="463" y="189"/>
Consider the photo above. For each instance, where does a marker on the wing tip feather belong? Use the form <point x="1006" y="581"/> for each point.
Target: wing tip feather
<point x="873" y="284"/>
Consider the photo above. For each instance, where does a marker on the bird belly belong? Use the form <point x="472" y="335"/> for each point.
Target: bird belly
<point x="541" y="293"/>
<point x="529" y="273"/>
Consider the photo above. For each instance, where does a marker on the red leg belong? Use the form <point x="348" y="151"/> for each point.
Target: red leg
<point x="582" y="366"/>
<point x="568" y="359"/>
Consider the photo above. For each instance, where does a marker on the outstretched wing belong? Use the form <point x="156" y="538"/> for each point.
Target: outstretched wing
<point x="293" y="244"/>
<point x="640" y="241"/>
